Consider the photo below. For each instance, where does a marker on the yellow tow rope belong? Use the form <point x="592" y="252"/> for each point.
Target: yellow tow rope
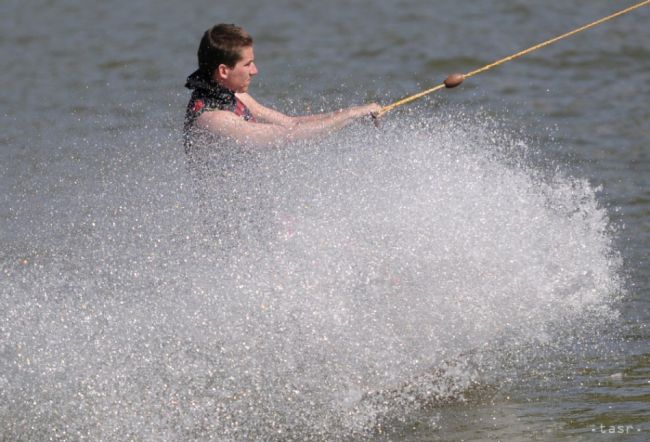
<point x="455" y="79"/>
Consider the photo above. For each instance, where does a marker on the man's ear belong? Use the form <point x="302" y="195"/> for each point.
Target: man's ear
<point x="222" y="72"/>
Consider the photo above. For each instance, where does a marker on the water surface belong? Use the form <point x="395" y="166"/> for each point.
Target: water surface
<point x="474" y="270"/>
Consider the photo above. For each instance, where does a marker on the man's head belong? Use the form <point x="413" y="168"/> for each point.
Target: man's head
<point x="226" y="55"/>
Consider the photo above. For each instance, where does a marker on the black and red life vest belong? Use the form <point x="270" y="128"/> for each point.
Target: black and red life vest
<point x="208" y="95"/>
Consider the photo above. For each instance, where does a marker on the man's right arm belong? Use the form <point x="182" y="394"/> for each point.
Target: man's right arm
<point x="261" y="134"/>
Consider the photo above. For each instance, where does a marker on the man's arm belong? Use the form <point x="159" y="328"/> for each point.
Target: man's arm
<point x="279" y="128"/>
<point x="265" y="114"/>
<point x="268" y="115"/>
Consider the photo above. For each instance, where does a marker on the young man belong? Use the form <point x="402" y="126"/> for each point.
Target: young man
<point x="220" y="104"/>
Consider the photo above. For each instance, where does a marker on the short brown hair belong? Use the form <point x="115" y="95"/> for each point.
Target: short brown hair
<point x="222" y="44"/>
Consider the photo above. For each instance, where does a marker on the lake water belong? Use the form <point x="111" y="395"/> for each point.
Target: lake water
<point x="475" y="269"/>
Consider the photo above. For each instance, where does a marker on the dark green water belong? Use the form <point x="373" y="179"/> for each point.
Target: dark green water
<point x="94" y="212"/>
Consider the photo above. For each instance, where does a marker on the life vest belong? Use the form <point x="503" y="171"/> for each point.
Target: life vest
<point x="208" y="95"/>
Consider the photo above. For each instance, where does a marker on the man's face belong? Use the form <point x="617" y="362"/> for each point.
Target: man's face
<point x="238" y="78"/>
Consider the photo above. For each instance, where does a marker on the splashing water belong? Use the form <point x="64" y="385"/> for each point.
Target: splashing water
<point x="320" y="290"/>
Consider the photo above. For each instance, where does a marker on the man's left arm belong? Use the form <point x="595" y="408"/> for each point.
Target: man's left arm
<point x="272" y="116"/>
<point x="265" y="114"/>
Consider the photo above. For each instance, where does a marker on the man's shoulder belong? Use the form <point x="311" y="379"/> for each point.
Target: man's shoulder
<point x="217" y="115"/>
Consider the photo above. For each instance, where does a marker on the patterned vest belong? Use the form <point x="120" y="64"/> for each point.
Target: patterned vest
<point x="208" y="95"/>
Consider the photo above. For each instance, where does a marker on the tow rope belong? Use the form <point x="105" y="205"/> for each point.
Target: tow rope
<point x="454" y="80"/>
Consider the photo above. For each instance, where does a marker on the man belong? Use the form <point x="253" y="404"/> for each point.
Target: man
<point x="238" y="197"/>
<point x="221" y="106"/>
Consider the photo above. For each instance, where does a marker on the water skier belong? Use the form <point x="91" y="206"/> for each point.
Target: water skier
<point x="220" y="104"/>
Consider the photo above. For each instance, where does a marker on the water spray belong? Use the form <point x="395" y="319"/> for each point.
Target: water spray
<point x="456" y="79"/>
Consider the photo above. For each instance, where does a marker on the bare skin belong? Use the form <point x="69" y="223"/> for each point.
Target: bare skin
<point x="272" y="127"/>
